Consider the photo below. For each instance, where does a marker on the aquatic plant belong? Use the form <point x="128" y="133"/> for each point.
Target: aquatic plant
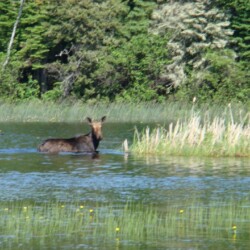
<point x="195" y="137"/>
<point x="41" y="111"/>
<point x="137" y="222"/>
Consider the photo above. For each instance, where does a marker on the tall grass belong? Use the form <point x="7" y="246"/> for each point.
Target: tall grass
<point x="39" y="111"/>
<point x="134" y="221"/>
<point x="196" y="137"/>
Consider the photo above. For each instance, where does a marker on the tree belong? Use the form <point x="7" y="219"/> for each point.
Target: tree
<point x="13" y="34"/>
<point x="131" y="71"/>
<point x="195" y="28"/>
<point x="223" y="80"/>
<point x="18" y="80"/>
<point x="80" y="31"/>
<point x="8" y="15"/>
<point x="239" y="13"/>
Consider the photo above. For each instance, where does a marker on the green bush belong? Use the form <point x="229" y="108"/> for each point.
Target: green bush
<point x="224" y="80"/>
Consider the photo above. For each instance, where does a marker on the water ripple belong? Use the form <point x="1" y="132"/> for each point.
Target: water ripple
<point x="63" y="186"/>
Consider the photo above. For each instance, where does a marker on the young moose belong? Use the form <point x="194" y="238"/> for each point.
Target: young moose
<point x="82" y="143"/>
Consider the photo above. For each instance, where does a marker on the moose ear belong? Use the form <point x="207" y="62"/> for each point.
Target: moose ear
<point x="89" y="120"/>
<point x="103" y="119"/>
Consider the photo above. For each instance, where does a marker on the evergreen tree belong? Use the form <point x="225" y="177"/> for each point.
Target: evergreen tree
<point x="27" y="52"/>
<point x="130" y="69"/>
<point x="223" y="80"/>
<point x="81" y="30"/>
<point x="109" y="49"/>
<point x="8" y="14"/>
<point x="239" y="12"/>
<point x="195" y="27"/>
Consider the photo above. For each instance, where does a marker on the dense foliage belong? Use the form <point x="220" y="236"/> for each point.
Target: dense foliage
<point x="134" y="50"/>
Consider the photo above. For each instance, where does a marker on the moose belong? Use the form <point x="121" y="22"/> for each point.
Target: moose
<point x="83" y="143"/>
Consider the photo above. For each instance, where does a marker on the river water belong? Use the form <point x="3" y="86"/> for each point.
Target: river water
<point x="115" y="177"/>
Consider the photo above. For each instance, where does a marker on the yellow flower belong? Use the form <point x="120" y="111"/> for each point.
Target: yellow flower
<point x="117" y="229"/>
<point x="25" y="208"/>
<point x="62" y="206"/>
<point x="181" y="211"/>
<point x="6" y="209"/>
<point x="81" y="206"/>
<point x="91" y="210"/>
<point x="234" y="227"/>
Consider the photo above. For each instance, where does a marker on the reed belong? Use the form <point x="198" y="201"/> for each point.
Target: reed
<point x="196" y="137"/>
<point x="133" y="221"/>
<point x="41" y="111"/>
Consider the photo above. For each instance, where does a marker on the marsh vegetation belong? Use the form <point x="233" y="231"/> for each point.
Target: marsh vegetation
<point x="196" y="137"/>
<point x="172" y="128"/>
<point x="142" y="112"/>
<point x="136" y="222"/>
<point x="74" y="201"/>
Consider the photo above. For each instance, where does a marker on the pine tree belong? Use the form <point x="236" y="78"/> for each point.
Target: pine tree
<point x="33" y="44"/>
<point x="130" y="69"/>
<point x="28" y="51"/>
<point x="80" y="31"/>
<point x="8" y="13"/>
<point x="239" y="12"/>
<point x="195" y="27"/>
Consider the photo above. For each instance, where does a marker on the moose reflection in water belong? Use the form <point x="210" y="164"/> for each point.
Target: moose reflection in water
<point x="83" y="143"/>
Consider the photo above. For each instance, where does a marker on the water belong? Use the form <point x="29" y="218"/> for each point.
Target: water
<point x="115" y="177"/>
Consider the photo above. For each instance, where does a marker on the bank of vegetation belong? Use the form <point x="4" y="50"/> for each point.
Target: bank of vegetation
<point x="140" y="112"/>
<point x="195" y="137"/>
<point x="203" y="131"/>
<point x="115" y="50"/>
<point x="22" y="222"/>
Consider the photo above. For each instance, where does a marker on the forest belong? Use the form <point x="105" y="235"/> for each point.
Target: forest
<point x="125" y="50"/>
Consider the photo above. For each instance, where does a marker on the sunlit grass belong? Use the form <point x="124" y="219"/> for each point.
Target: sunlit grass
<point x="40" y="111"/>
<point x="196" y="137"/>
<point x="133" y="221"/>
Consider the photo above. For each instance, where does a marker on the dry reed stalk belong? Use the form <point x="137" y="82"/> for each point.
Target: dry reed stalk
<point x="193" y="137"/>
<point x="125" y="146"/>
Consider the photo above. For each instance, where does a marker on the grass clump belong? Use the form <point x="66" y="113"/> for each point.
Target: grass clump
<point x="144" y="112"/>
<point x="194" y="137"/>
<point x="133" y="221"/>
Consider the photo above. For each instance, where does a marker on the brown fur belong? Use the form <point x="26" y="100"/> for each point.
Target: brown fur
<point x="82" y="143"/>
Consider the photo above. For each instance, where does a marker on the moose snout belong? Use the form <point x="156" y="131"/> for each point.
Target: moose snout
<point x="99" y="137"/>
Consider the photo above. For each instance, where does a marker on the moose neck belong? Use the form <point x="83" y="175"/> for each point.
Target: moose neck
<point x="95" y="140"/>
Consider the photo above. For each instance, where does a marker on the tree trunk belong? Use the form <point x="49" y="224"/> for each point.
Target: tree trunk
<point x="13" y="34"/>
